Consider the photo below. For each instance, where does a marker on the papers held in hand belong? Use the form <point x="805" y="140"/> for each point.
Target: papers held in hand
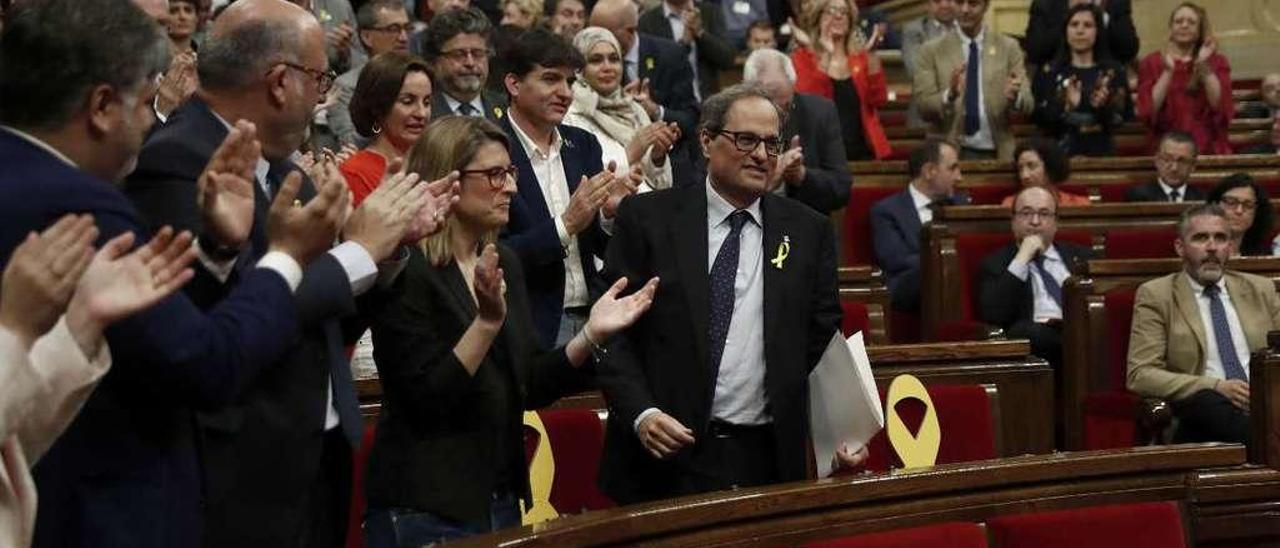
<point x="844" y="404"/>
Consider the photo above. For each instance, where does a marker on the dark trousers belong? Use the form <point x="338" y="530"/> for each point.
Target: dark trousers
<point x="408" y="528"/>
<point x="728" y="457"/>
<point x="328" y="501"/>
<point x="1046" y="339"/>
<point x="1209" y="416"/>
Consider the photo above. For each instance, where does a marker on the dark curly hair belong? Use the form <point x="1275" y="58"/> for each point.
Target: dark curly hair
<point x="1257" y="239"/>
<point x="1056" y="165"/>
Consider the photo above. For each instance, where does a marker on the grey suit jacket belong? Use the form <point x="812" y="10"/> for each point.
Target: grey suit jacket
<point x="914" y="34"/>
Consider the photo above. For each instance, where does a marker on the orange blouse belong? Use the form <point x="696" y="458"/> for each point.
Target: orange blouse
<point x="364" y="171"/>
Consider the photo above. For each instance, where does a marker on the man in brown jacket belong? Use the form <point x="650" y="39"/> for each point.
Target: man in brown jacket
<point x="1193" y="333"/>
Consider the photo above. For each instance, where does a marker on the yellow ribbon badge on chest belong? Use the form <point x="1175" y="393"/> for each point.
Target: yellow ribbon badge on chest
<point x="784" y="249"/>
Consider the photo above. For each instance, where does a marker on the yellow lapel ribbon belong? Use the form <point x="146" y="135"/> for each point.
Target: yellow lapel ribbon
<point x="648" y="63"/>
<point x="784" y="249"/>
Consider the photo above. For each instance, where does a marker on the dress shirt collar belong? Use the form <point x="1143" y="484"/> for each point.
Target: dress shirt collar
<point x="454" y="103"/>
<point x="918" y="198"/>
<point x="633" y="54"/>
<point x="40" y="145"/>
<point x="719" y="209"/>
<point x="531" y="149"/>
<point x="1052" y="255"/>
<point x="965" y="40"/>
<point x="1182" y="190"/>
<point x="1197" y="288"/>
<point x="669" y="13"/>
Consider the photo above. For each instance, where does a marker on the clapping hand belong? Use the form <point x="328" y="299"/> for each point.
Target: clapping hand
<point x="790" y="166"/>
<point x="120" y="282"/>
<point x="623" y="186"/>
<point x="957" y="83"/>
<point x="178" y="84"/>
<point x="225" y="188"/>
<point x="692" y="24"/>
<point x="1013" y="86"/>
<point x="42" y="276"/>
<point x="385" y="218"/>
<point x="1207" y="49"/>
<point x="587" y="199"/>
<point x="440" y="197"/>
<point x="1101" y="91"/>
<point x="638" y="90"/>
<point x="1074" y="93"/>
<point x="611" y="314"/>
<point x="490" y="287"/>
<point x="306" y="231"/>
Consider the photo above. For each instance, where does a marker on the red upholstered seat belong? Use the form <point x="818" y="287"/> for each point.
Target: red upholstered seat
<point x="857" y="223"/>
<point x="904" y="327"/>
<point x="942" y="535"/>
<point x="577" y="440"/>
<point x="355" y="518"/>
<point x="855" y="319"/>
<point x="964" y="417"/>
<point x="1108" y="413"/>
<point x="1144" y="525"/>
<point x="1140" y="243"/>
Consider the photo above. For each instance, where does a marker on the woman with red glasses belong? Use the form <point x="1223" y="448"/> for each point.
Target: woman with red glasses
<point x="459" y="359"/>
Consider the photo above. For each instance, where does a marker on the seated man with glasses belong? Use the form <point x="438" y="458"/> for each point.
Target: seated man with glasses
<point x="383" y="26"/>
<point x="458" y="47"/>
<point x="1020" y="285"/>
<point x="708" y="390"/>
<point x="1175" y="162"/>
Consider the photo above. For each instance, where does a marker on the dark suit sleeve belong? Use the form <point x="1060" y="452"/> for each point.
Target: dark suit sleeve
<point x="1043" y="34"/>
<point x="824" y="303"/>
<point x="888" y="240"/>
<point x="679" y="103"/>
<point x="1000" y="294"/>
<point x="550" y="375"/>
<point x="1142" y="193"/>
<point x="1049" y="109"/>
<point x="622" y="377"/>
<point x="1122" y="38"/>
<point x="826" y="182"/>
<point x="711" y="45"/>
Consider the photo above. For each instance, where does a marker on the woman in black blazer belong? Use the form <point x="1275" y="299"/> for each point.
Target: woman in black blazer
<point x="459" y="360"/>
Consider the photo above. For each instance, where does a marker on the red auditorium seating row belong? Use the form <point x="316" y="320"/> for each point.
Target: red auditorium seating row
<point x="1141" y="525"/>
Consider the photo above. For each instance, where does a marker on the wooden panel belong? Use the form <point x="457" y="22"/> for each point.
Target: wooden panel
<point x="865" y="284"/>
<point x="790" y="514"/>
<point x="1264" y="405"/>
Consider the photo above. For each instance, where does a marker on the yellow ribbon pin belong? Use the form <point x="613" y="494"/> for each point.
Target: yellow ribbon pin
<point x="497" y="112"/>
<point x="784" y="249"/>
<point x="648" y="63"/>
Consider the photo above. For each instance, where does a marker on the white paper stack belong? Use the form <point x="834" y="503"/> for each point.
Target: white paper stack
<point x="844" y="405"/>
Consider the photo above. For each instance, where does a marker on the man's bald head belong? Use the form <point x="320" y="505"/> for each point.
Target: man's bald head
<point x="620" y="17"/>
<point x="251" y="36"/>
<point x="155" y="9"/>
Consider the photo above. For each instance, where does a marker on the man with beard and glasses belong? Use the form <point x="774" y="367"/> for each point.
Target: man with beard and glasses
<point x="1193" y="332"/>
<point x="457" y="47"/>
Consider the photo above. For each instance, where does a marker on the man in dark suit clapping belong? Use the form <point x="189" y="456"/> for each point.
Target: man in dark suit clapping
<point x="708" y="390"/>
<point x="76" y="99"/>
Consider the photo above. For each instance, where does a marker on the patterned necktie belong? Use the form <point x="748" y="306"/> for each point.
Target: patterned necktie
<point x="972" y="122"/>
<point x="466" y="109"/>
<point x="1051" y="284"/>
<point x="1222" y="335"/>
<point x="724" y="272"/>
<point x="1174" y="195"/>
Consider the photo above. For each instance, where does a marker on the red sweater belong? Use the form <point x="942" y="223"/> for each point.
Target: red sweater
<point x="872" y="90"/>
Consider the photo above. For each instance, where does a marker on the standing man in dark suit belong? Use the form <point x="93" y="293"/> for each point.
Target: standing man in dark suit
<point x="1020" y="285"/>
<point x="301" y="418"/>
<point x="1175" y="162"/>
<point x="76" y="92"/>
<point x="709" y="390"/>
<point x="814" y="169"/>
<point x="699" y="28"/>
<point x="896" y="221"/>
<point x="562" y="188"/>
<point x="458" y="48"/>
<point x="1049" y="20"/>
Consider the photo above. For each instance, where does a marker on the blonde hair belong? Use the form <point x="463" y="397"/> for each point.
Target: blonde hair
<point x="811" y="22"/>
<point x="449" y="144"/>
<point x="531" y="8"/>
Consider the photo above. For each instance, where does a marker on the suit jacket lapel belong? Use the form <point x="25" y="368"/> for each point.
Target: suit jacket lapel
<point x="645" y="52"/>
<point x="688" y="238"/>
<point x="1185" y="301"/>
<point x="1253" y="320"/>
<point x="776" y="222"/>
<point x="571" y="162"/>
<point x="529" y="190"/>
<point x="451" y="285"/>
<point x="910" y="220"/>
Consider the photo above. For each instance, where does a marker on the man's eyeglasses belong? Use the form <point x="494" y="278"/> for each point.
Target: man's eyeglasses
<point x="461" y="55"/>
<point x="496" y="176"/>
<point x="394" y="28"/>
<point x="324" y="78"/>
<point x="747" y="142"/>
<point x="1028" y="214"/>
<point x="1231" y="202"/>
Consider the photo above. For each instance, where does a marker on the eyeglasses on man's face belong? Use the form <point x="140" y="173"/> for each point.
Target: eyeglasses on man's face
<point x="496" y="176"/>
<point x="324" y="78"/>
<point x="747" y="142"/>
<point x="460" y="55"/>
<point x="394" y="28"/>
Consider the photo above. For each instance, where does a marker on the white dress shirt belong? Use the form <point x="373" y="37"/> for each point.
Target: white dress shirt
<point x="631" y="61"/>
<point x="922" y="204"/>
<point x="1182" y="190"/>
<point x="475" y="103"/>
<point x="982" y="140"/>
<point x="549" y="170"/>
<point x="1212" y="361"/>
<point x="1044" y="307"/>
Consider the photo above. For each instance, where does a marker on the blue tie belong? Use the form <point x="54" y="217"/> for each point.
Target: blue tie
<point x="724" y="271"/>
<point x="1050" y="284"/>
<point x="1222" y="335"/>
<point x="971" y="87"/>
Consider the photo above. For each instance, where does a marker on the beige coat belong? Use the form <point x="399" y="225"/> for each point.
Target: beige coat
<point x="40" y="393"/>
<point x="1167" y="339"/>
<point x="937" y="59"/>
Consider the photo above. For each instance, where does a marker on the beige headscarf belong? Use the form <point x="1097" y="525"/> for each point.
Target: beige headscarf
<point x="616" y="114"/>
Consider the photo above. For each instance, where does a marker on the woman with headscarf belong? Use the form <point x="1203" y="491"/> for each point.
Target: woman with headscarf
<point x="628" y="137"/>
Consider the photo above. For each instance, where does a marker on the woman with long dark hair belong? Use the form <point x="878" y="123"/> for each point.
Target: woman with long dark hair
<point x="1082" y="94"/>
